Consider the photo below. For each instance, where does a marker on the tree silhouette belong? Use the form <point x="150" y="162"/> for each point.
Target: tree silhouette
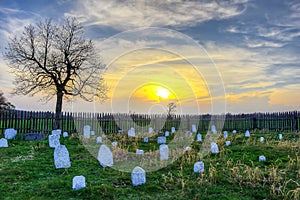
<point x="4" y="104"/>
<point x="56" y="60"/>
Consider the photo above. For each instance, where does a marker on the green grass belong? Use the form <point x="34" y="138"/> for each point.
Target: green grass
<point x="27" y="171"/>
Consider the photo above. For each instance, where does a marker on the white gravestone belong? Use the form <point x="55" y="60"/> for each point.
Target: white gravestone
<point x="92" y="133"/>
<point x="199" y="167"/>
<point x="247" y="134"/>
<point x="214" y="148"/>
<point x="131" y="132"/>
<point x="167" y="133"/>
<point x="234" y="131"/>
<point x="164" y="152"/>
<point x="114" y="144"/>
<point x="65" y="134"/>
<point x="162" y="140"/>
<point x="56" y="132"/>
<point x="188" y="149"/>
<point x="121" y="131"/>
<point x="138" y="176"/>
<point x="199" y="137"/>
<point x="3" y="142"/>
<point x="139" y="152"/>
<point x="173" y="130"/>
<point x="105" y="156"/>
<point x="280" y="136"/>
<point x="225" y="133"/>
<point x="227" y="143"/>
<point x="150" y="130"/>
<point x="10" y="133"/>
<point x="194" y="128"/>
<point x="61" y="157"/>
<point x="146" y="140"/>
<point x="213" y="129"/>
<point x="86" y="131"/>
<point x="261" y="139"/>
<point x="54" y="140"/>
<point x="99" y="140"/>
<point x="262" y="158"/>
<point x="78" y="182"/>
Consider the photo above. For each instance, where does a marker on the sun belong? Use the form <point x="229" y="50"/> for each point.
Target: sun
<point x="163" y="93"/>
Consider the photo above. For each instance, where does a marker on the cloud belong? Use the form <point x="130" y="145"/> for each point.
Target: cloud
<point x="256" y="43"/>
<point x="123" y="15"/>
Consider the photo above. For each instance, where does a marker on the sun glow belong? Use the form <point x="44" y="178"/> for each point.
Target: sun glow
<point x="163" y="93"/>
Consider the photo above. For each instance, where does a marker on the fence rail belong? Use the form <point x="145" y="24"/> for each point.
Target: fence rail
<point x="43" y="122"/>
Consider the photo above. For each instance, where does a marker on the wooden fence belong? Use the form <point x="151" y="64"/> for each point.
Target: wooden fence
<point x="43" y="122"/>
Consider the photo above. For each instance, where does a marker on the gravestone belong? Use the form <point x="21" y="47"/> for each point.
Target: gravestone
<point x="114" y="144"/>
<point x="139" y="151"/>
<point x="261" y="139"/>
<point x="61" y="157"/>
<point x="247" y="134"/>
<point x="54" y="140"/>
<point x="164" y="152"/>
<point x="33" y="136"/>
<point x="167" y="133"/>
<point x="131" y="132"/>
<point x="146" y="140"/>
<point x="92" y="133"/>
<point x="138" y="176"/>
<point x="173" y="130"/>
<point x="99" y="140"/>
<point x="262" y="158"/>
<point x="121" y="131"/>
<point x="194" y="128"/>
<point x="86" y="131"/>
<point x="78" y="182"/>
<point x="199" y="167"/>
<point x="199" y="137"/>
<point x="150" y="130"/>
<point x="10" y="133"/>
<point x="214" y="129"/>
<point x="188" y="148"/>
<point x="65" y="134"/>
<point x="56" y="132"/>
<point x="3" y="143"/>
<point x="225" y="133"/>
<point x="189" y="133"/>
<point x="105" y="156"/>
<point x="227" y="143"/>
<point x="280" y="136"/>
<point x="162" y="140"/>
<point x="234" y="131"/>
<point x="214" y="148"/>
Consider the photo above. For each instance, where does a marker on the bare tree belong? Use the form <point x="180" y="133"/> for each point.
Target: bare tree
<point x="171" y="109"/>
<point x="4" y="104"/>
<point x="57" y="60"/>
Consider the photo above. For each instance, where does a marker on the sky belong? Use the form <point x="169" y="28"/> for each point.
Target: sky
<point x="237" y="56"/>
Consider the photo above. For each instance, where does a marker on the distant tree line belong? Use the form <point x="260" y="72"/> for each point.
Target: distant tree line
<point x="4" y="104"/>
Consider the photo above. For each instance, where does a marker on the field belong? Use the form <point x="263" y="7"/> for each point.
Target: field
<point x="27" y="171"/>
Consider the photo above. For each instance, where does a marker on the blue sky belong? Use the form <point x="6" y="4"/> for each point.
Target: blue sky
<point x="254" y="44"/>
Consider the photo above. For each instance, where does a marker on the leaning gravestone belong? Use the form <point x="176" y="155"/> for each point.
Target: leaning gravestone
<point x="173" y="130"/>
<point x="65" y="134"/>
<point x="261" y="139"/>
<point x="199" y="167"/>
<point x="162" y="140"/>
<point x="86" y="131"/>
<point x="150" y="130"/>
<point x="10" y="133"/>
<point x="280" y="136"/>
<point x="262" y="158"/>
<point x="3" y="142"/>
<point x="247" y="134"/>
<point x="54" y="141"/>
<point x="99" y="140"/>
<point x="164" y="152"/>
<point x="138" y="176"/>
<point x="105" y="156"/>
<point x="225" y="133"/>
<point x="227" y="143"/>
<point x="131" y="132"/>
<point x="213" y="129"/>
<point x="214" y="148"/>
<point x="167" y="133"/>
<point x="61" y="157"/>
<point x="78" y="182"/>
<point x="199" y="137"/>
<point x="146" y="140"/>
<point x="194" y="128"/>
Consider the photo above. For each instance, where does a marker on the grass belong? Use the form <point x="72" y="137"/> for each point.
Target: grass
<point x="27" y="171"/>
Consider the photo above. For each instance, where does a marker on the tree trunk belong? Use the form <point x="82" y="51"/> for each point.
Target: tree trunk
<point x="58" y="109"/>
